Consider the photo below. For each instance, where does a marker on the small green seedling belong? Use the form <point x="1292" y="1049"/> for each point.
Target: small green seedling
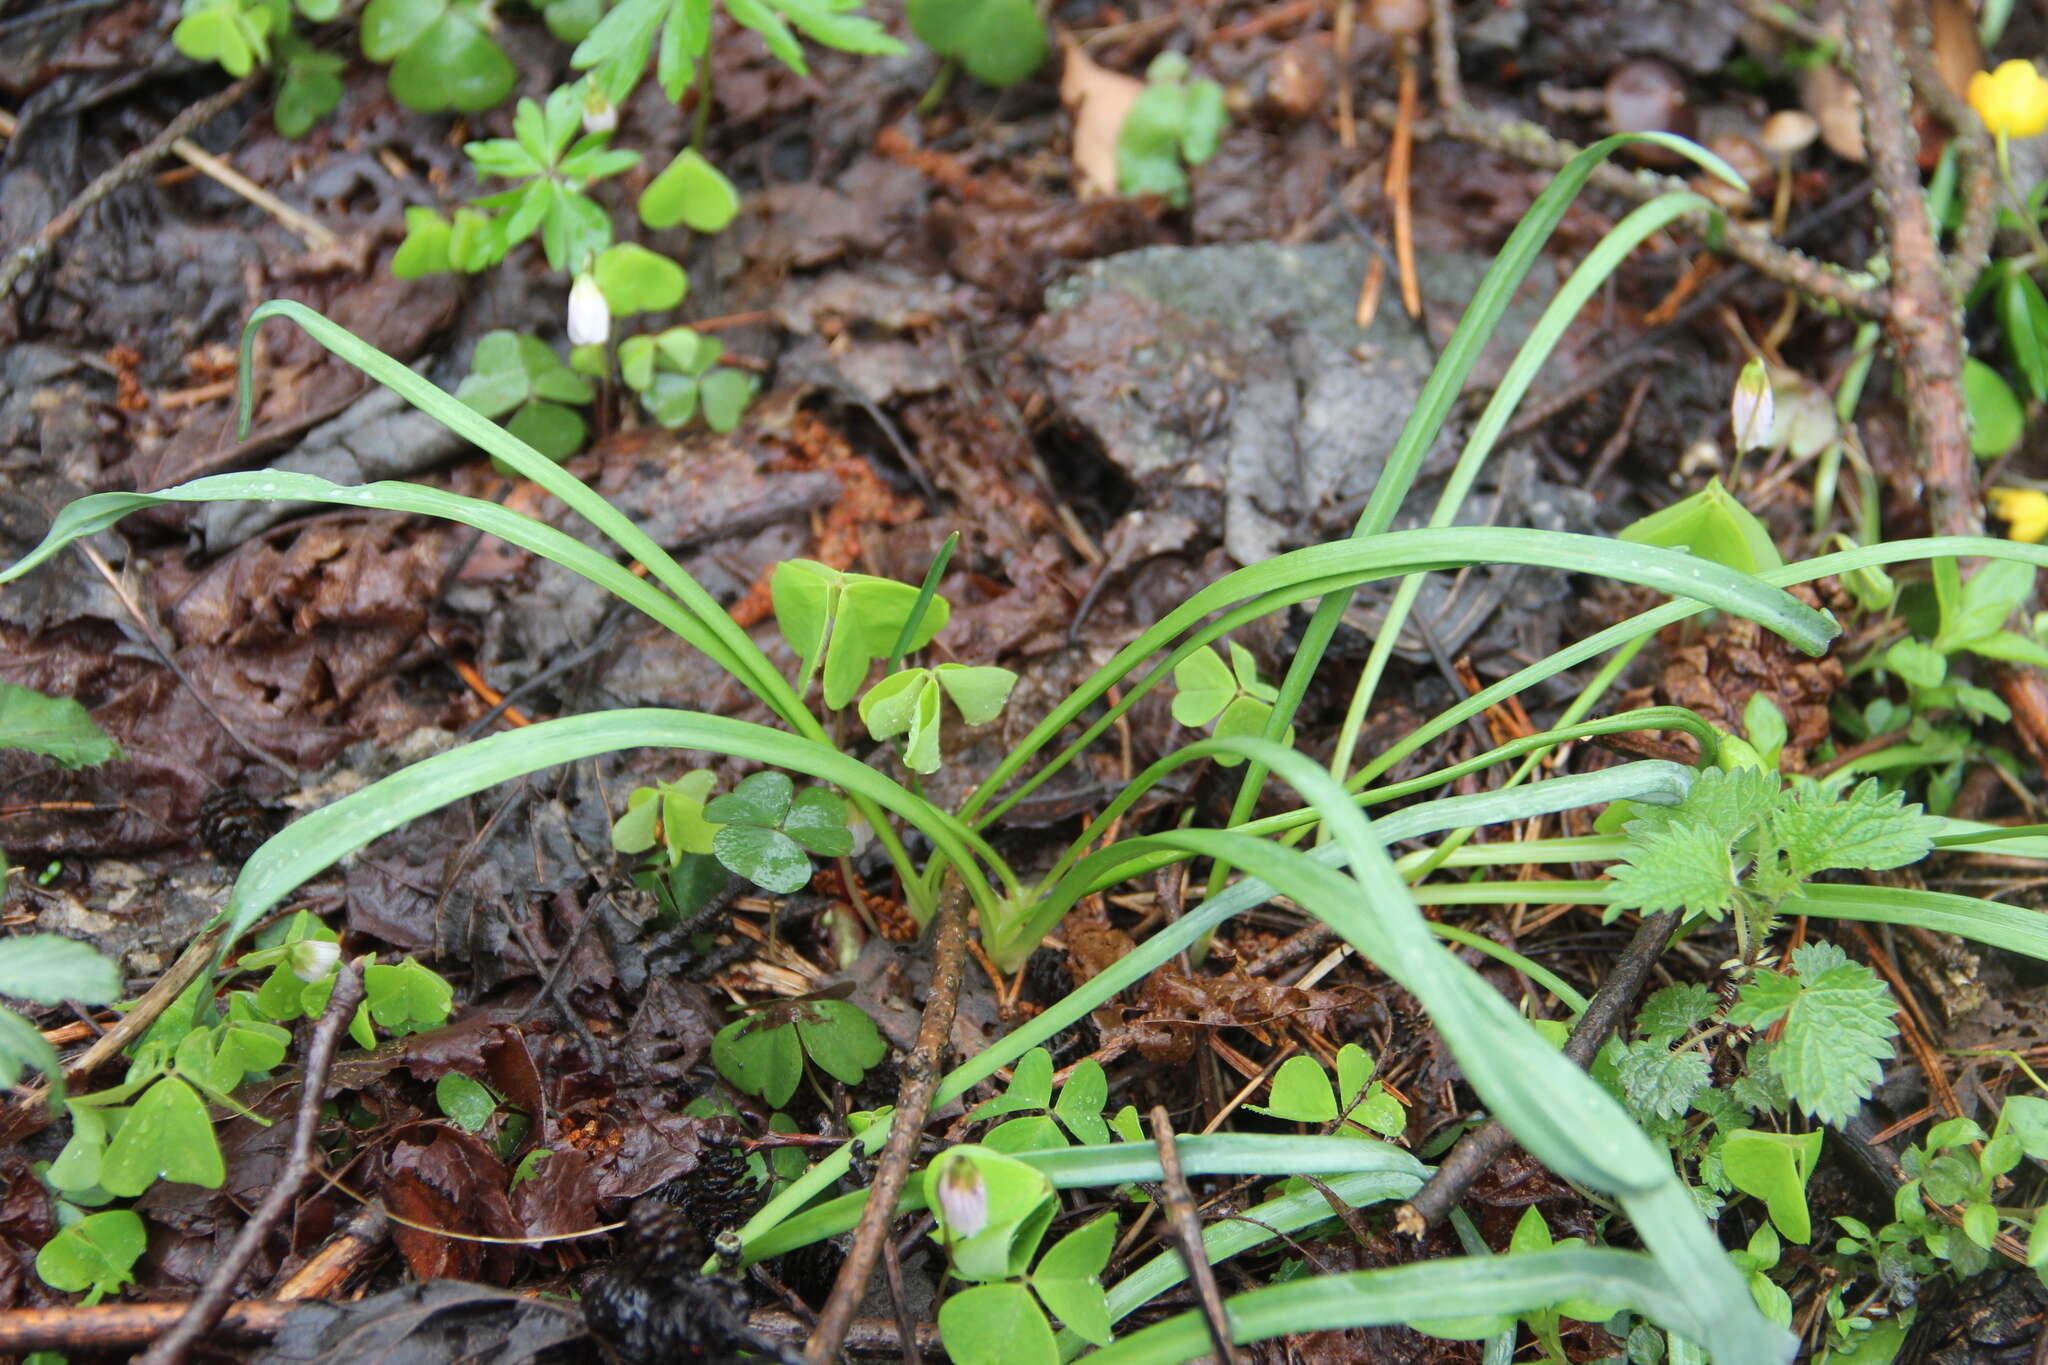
<point x="1997" y="420"/>
<point x="1712" y="525"/>
<point x="692" y="192"/>
<point x="665" y="824"/>
<point x="766" y="831"/>
<point x="677" y="374"/>
<point x="907" y="703"/>
<point x="1079" y="1107"/>
<point x="992" y="1211"/>
<point x="846" y="621"/>
<point x="521" y="375"/>
<point x="1531" y="1237"/>
<point x="1001" y="1324"/>
<point x="999" y="42"/>
<point x="441" y="53"/>
<point x="465" y="1102"/>
<point x="1172" y="121"/>
<point x="1774" y="1167"/>
<point x="1231" y="695"/>
<point x="1756" y="1261"/>
<point x="677" y="33"/>
<point x="1301" y="1093"/>
<point x="763" y="1054"/>
<point x="557" y="168"/>
<point x="406" y="997"/>
<point x="94" y="1256"/>
<point x="2023" y="316"/>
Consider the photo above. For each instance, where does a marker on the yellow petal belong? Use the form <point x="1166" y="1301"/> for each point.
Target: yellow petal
<point x="2012" y="100"/>
<point x="2024" y="510"/>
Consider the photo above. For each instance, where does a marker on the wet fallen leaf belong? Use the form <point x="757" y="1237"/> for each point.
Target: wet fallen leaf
<point x="1098" y="99"/>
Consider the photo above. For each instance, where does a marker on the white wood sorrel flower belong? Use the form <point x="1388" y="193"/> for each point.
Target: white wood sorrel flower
<point x="590" y="317"/>
<point x="1753" y="407"/>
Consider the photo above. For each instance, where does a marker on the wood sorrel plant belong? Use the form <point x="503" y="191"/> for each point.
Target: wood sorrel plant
<point x="842" y="624"/>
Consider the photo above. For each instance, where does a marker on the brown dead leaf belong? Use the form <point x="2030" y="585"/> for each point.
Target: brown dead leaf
<point x="1099" y="99"/>
<point x="437" y="1176"/>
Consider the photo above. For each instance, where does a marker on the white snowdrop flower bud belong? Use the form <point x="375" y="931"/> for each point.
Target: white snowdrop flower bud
<point x="590" y="317"/>
<point x="314" y="959"/>
<point x="1754" y="408"/>
<point x="963" y="1198"/>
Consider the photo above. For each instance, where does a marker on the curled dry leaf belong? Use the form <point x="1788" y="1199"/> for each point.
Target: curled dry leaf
<point x="1098" y="99"/>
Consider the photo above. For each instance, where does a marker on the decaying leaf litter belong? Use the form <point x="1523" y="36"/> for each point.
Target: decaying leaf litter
<point x="1111" y="401"/>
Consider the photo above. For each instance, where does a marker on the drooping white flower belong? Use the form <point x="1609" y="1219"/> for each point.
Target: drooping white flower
<point x="600" y="115"/>
<point x="590" y="317"/>
<point x="963" y="1197"/>
<point x="313" y="959"/>
<point x="1753" y="407"/>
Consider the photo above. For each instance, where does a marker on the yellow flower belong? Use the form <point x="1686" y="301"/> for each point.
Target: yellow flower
<point x="2024" y="510"/>
<point x="2012" y="101"/>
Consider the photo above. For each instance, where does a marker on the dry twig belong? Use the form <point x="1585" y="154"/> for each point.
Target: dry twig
<point x="129" y="167"/>
<point x="913" y="1102"/>
<point x="1921" y="319"/>
<point x="1187" y="1235"/>
<point x="205" y="1311"/>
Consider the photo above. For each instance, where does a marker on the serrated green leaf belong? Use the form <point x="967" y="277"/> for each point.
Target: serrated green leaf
<point x="1838" y="1029"/>
<point x="1672" y="1011"/>
<point x="840" y="1038"/>
<point x="54" y="727"/>
<point x="50" y="969"/>
<point x="1682" y="868"/>
<point x="1866" y="828"/>
<point x="1659" y="1082"/>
